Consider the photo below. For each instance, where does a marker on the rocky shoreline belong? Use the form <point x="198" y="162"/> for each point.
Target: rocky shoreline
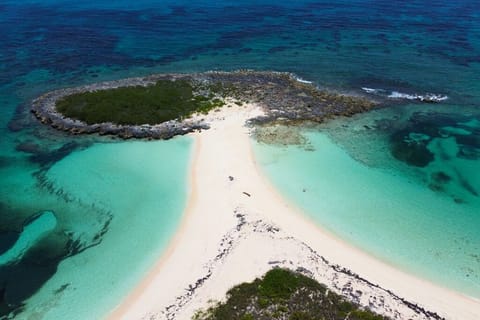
<point x="282" y="96"/>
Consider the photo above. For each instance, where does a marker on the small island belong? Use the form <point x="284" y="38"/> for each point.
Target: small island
<point x="284" y="294"/>
<point x="163" y="105"/>
<point x="236" y="226"/>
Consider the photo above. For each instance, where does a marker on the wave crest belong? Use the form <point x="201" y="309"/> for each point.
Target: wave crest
<point x="428" y="97"/>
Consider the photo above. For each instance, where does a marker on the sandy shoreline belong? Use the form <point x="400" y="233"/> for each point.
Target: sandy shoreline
<point x="236" y="227"/>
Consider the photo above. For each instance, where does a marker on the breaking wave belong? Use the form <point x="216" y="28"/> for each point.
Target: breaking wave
<point x="302" y="80"/>
<point x="427" y="97"/>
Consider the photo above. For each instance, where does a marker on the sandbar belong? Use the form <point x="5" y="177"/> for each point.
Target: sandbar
<point x="236" y="227"/>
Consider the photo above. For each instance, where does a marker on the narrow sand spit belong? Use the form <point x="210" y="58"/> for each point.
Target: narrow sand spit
<point x="236" y="227"/>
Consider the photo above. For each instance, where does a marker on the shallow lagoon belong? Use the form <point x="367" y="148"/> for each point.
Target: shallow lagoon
<point x="423" y="219"/>
<point x="121" y="204"/>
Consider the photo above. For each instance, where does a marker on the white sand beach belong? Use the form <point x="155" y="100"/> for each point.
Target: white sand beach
<point x="236" y="227"/>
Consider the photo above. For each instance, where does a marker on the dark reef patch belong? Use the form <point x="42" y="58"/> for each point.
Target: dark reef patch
<point x="441" y="177"/>
<point x="62" y="288"/>
<point x="11" y="219"/>
<point x="445" y="138"/>
<point x="22" y="278"/>
<point x="46" y="158"/>
<point x="410" y="143"/>
<point x="412" y="152"/>
<point x="28" y="147"/>
<point x="469" y="153"/>
<point x="21" y="281"/>
<point x="23" y="275"/>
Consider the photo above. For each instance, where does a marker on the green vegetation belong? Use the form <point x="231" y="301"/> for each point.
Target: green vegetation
<point x="283" y="294"/>
<point x="163" y="101"/>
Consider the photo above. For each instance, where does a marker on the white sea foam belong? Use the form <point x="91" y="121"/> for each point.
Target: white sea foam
<point x="428" y="97"/>
<point x="400" y="95"/>
<point x="372" y="90"/>
<point x="302" y="80"/>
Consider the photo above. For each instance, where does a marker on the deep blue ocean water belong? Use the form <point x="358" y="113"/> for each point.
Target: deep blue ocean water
<point x="50" y="222"/>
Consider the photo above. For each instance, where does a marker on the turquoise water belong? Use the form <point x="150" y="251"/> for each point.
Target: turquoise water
<point x="424" y="219"/>
<point x="70" y="203"/>
<point x="32" y="232"/>
<point x="114" y="208"/>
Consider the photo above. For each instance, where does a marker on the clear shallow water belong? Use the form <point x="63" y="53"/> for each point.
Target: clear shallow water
<point x="106" y="201"/>
<point x="144" y="185"/>
<point x="423" y="219"/>
<point x="415" y="48"/>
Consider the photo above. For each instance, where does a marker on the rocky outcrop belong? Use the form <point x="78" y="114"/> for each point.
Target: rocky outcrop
<point x="282" y="96"/>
